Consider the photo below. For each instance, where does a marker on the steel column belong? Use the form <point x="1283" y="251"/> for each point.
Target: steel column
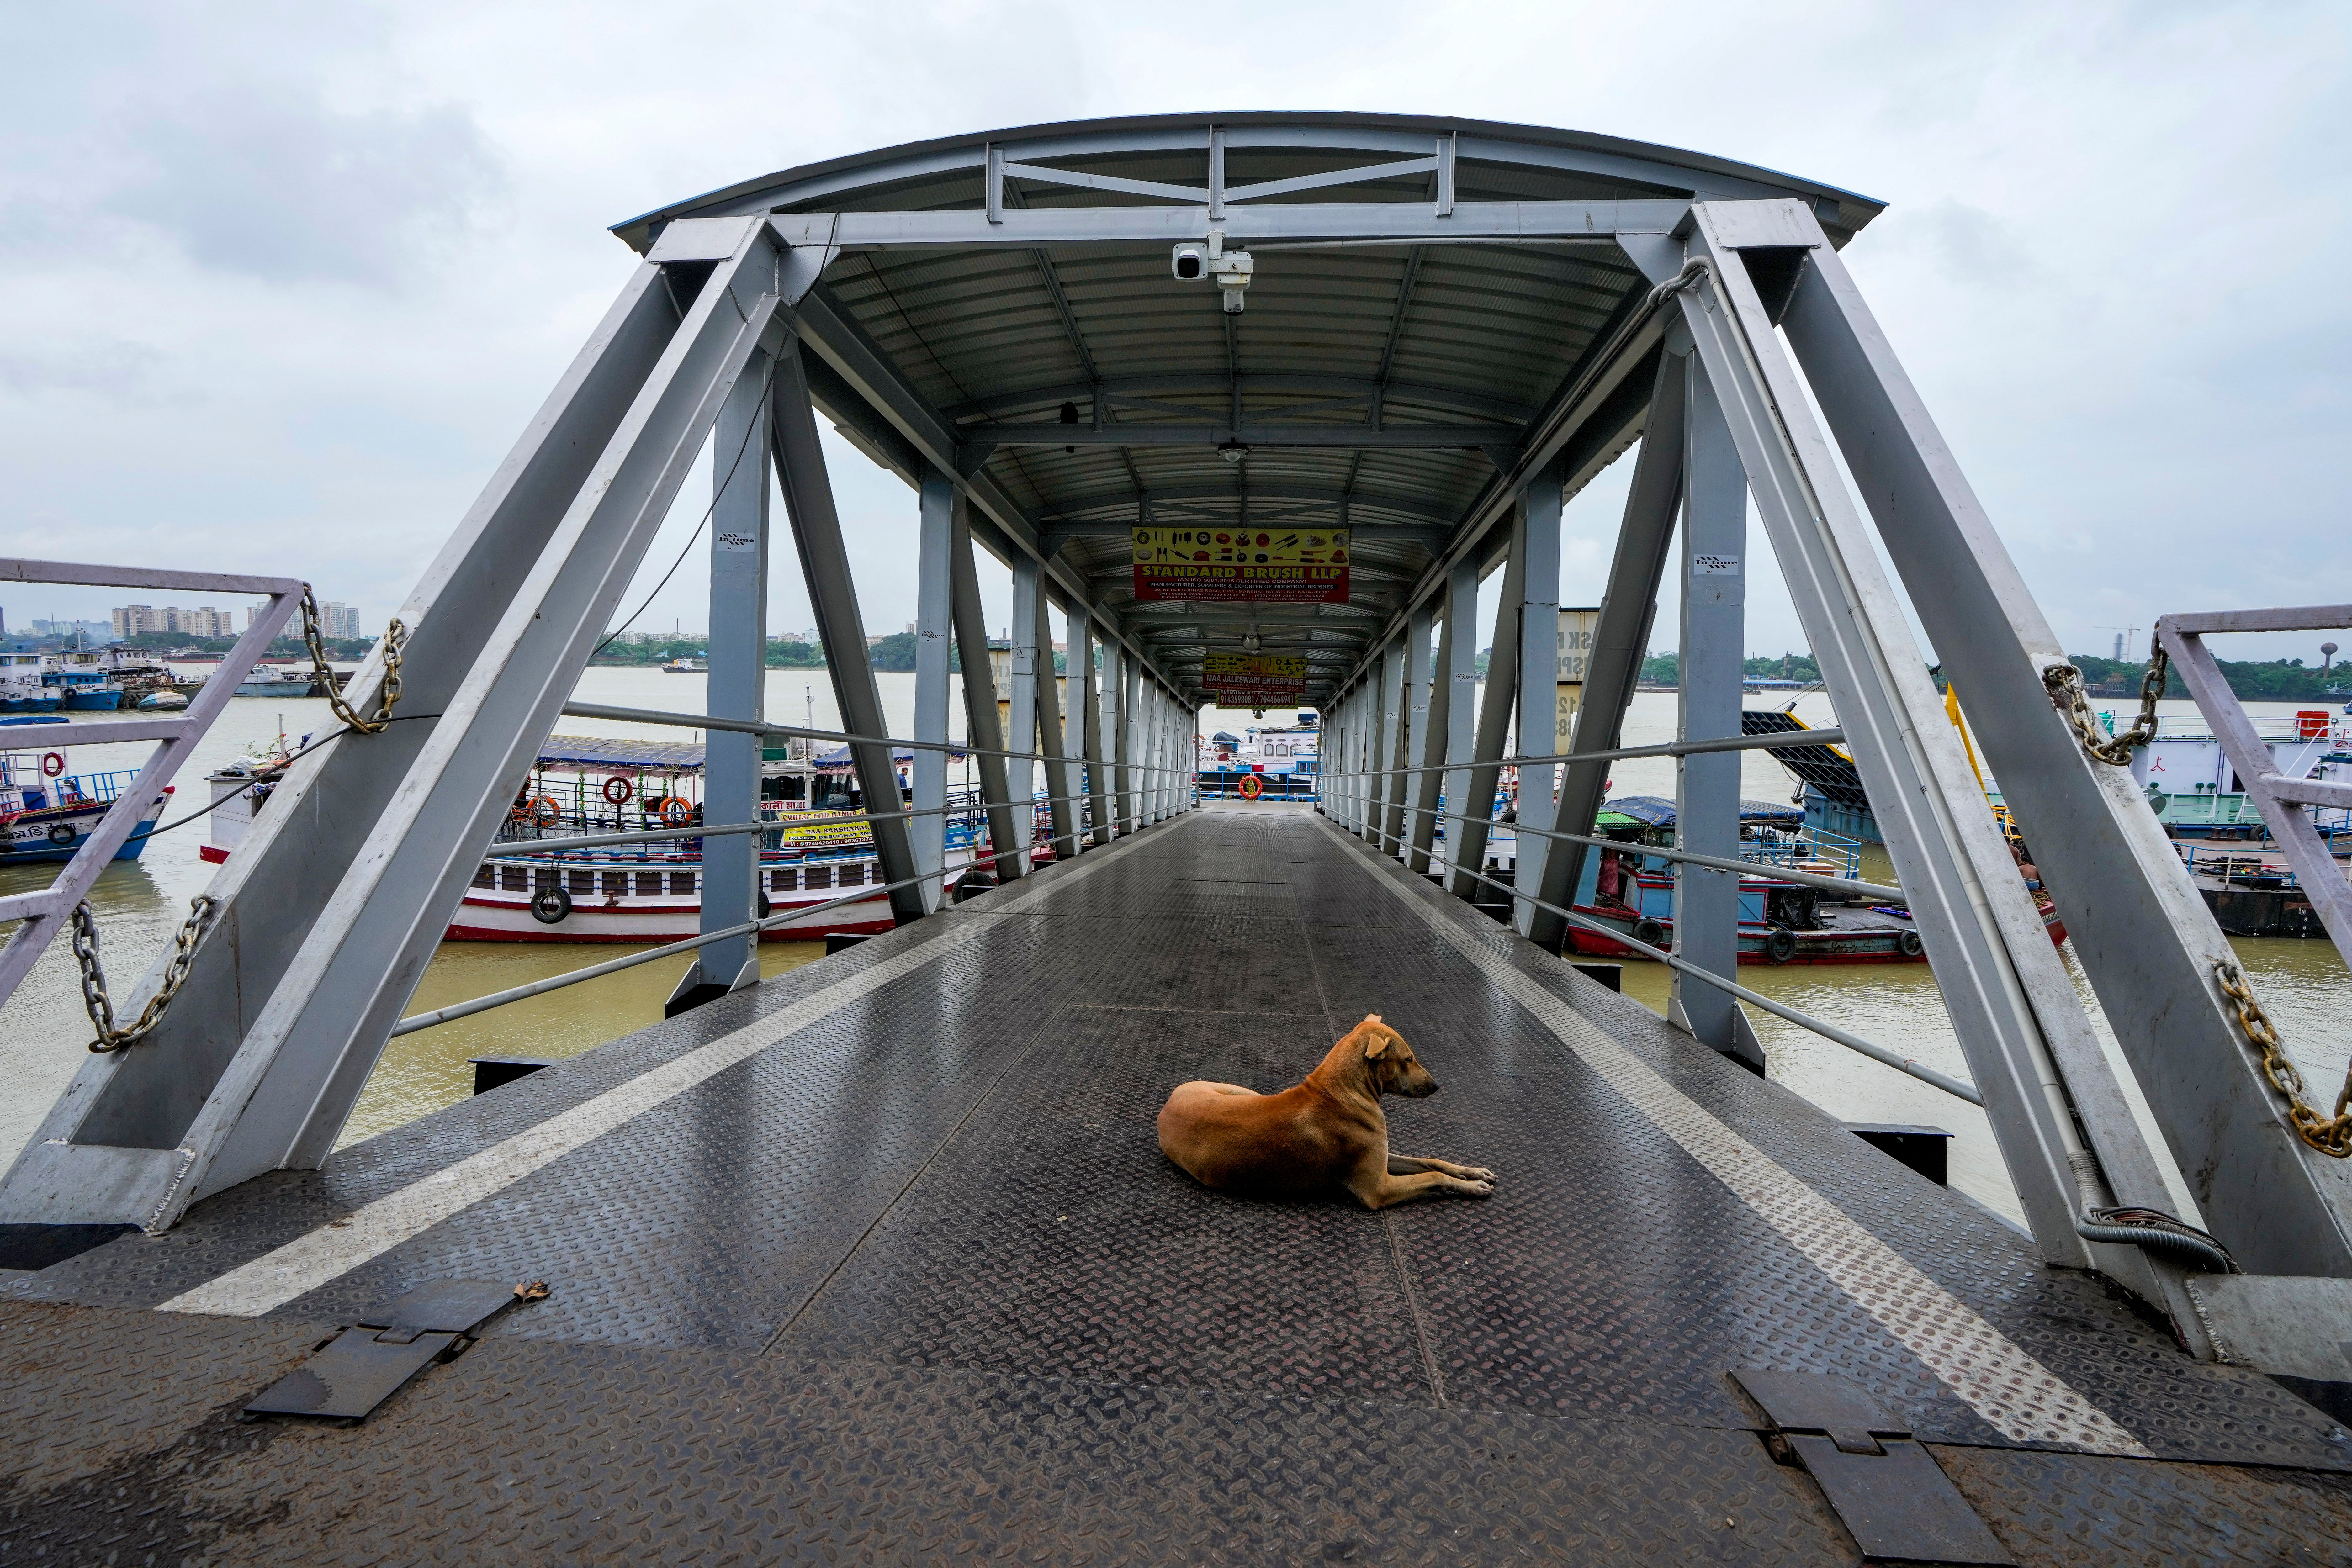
<point x="1129" y="681"/>
<point x="1621" y="641"/>
<point x="1706" y="784"/>
<point x="1413" y="717"/>
<point x="1085" y="710"/>
<point x="1430" y="731"/>
<point x="1458" y="739"/>
<point x="2137" y="922"/>
<point x="1007" y="841"/>
<point x="934" y="626"/>
<point x="1539" y="700"/>
<point x="1061" y="777"/>
<point x="1389" y="749"/>
<point x="736" y="686"/>
<point x="1031" y="660"/>
<point x="1494" y="720"/>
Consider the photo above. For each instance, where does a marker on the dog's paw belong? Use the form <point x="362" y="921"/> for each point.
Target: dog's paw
<point x="1476" y="1189"/>
<point x="1476" y="1173"/>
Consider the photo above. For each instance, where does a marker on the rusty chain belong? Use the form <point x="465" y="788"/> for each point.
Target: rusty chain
<point x="93" y="977"/>
<point x="396" y="638"/>
<point x="2331" y="1136"/>
<point x="2064" y="683"/>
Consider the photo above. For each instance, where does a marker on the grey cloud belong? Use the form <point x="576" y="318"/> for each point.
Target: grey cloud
<point x="272" y="183"/>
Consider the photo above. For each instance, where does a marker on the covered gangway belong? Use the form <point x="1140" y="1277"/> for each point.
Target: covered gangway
<point x="909" y="1199"/>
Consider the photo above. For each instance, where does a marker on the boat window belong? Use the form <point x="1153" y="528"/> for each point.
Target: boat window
<point x="514" y="878"/>
<point x="852" y="876"/>
<point x="819" y="876"/>
<point x="681" y="883"/>
<point x="649" y="884"/>
<point x="486" y="877"/>
<point x="581" y="881"/>
<point x="542" y="876"/>
<point x="784" y="879"/>
<point x="615" y="882"/>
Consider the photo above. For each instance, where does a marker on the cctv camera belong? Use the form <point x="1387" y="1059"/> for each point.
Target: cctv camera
<point x="1192" y="262"/>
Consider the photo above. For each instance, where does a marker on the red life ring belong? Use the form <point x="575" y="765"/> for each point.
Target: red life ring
<point x="1252" y="787"/>
<point x="618" y="790"/>
<point x="676" y="811"/>
<point x="52" y="764"/>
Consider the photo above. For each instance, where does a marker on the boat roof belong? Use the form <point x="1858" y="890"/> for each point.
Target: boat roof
<point x="1658" y="811"/>
<point x="591" y="751"/>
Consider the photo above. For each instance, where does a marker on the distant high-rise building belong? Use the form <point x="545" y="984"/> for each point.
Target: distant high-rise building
<point x="131" y="619"/>
<point x="339" y="619"/>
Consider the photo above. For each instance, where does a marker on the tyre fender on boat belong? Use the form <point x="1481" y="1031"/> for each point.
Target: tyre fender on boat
<point x="61" y="832"/>
<point x="551" y="905"/>
<point x="1780" y="945"/>
<point x="1910" y="943"/>
<point x="1649" y="932"/>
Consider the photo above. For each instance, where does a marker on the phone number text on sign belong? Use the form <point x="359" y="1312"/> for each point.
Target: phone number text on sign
<point x="1280" y="566"/>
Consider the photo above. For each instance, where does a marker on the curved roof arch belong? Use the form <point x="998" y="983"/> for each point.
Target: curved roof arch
<point x="1426" y="291"/>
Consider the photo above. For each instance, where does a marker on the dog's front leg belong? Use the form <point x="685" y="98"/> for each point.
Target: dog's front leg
<point x="1377" y="1190"/>
<point x="1409" y="1165"/>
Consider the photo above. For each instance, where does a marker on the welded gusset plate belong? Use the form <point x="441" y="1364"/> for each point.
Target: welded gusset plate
<point x="357" y="1370"/>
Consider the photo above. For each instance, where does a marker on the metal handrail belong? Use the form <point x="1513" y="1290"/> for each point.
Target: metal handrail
<point x="1830" y="1031"/>
<point x="1779" y="740"/>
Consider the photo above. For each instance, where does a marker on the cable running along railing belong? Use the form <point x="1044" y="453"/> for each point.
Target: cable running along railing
<point x="1828" y="1031"/>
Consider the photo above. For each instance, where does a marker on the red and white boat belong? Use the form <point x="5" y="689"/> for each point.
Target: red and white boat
<point x="817" y="850"/>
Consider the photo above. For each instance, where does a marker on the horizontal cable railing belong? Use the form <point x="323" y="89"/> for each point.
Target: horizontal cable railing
<point x="1830" y="1031"/>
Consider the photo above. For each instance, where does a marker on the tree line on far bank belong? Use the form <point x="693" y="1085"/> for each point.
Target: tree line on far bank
<point x="894" y="652"/>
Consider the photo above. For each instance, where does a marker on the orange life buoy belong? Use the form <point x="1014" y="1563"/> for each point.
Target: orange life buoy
<point x="52" y="764"/>
<point x="676" y="811"/>
<point x="618" y="790"/>
<point x="1252" y="787"/>
<point x="545" y="811"/>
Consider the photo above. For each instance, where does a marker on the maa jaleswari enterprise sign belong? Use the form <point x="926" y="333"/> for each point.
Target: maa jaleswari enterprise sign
<point x="1277" y="566"/>
<point x="1255" y="680"/>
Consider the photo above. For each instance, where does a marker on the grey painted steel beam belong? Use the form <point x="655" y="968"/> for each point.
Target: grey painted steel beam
<point x="1459" y="740"/>
<point x="736" y="685"/>
<point x="1031" y="662"/>
<point x="1713" y="562"/>
<point x="1537" y="696"/>
<point x="1629" y="606"/>
<point x="1007" y="830"/>
<point x="2002" y="987"/>
<point x="1477" y="799"/>
<point x="1413" y="719"/>
<point x="1061" y="777"/>
<point x="833" y="599"/>
<point x="1086" y="714"/>
<point x="934" y="626"/>
<point x="1191" y="383"/>
<point x="1339" y="437"/>
<point x="1431" y="725"/>
<point x="2136" y="922"/>
<point x="253" y="1077"/>
<point x="1575" y="222"/>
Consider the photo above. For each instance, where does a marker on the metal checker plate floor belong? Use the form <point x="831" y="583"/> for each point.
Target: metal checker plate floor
<point x="906" y="1277"/>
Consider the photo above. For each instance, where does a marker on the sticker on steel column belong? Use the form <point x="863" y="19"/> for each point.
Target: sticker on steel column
<point x="1706" y="565"/>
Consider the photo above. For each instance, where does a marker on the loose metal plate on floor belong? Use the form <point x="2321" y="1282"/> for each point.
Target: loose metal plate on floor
<point x="1887" y="1490"/>
<point x="366" y="1365"/>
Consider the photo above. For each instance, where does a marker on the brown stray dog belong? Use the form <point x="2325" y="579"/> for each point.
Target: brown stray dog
<point x="1326" y="1132"/>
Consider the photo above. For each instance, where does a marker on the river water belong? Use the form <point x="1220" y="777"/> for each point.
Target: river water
<point x="139" y="903"/>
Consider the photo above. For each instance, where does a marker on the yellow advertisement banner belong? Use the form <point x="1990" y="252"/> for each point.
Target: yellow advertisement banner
<point x="821" y="830"/>
<point x="1282" y="566"/>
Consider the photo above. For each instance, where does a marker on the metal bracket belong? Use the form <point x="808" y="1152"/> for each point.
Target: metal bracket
<point x="347" y="1377"/>
<point x="1886" y="1488"/>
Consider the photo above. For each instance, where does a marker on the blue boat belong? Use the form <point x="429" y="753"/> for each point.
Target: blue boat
<point x="46" y="812"/>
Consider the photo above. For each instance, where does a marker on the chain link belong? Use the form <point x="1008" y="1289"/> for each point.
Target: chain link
<point x="93" y="977"/>
<point x="2064" y="683"/>
<point x="2332" y="1137"/>
<point x="396" y="638"/>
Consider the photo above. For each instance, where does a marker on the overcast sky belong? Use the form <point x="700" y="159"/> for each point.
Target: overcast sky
<point x="280" y="285"/>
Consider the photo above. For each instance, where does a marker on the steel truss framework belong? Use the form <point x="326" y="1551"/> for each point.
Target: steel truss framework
<point x="1454" y="326"/>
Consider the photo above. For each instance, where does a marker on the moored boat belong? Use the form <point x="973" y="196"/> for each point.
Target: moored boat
<point x="47" y="809"/>
<point x="816" y="850"/>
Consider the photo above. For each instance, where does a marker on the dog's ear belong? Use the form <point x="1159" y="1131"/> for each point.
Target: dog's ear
<point x="1376" y="1039"/>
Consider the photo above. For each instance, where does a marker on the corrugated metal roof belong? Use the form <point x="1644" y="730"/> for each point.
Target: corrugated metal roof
<point x="1377" y="344"/>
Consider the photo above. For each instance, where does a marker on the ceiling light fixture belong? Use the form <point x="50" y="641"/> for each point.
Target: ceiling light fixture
<point x="1232" y="451"/>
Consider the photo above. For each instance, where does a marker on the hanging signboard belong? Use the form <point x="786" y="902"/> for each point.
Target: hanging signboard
<point x="1271" y="566"/>
<point x="1576" y="631"/>
<point x="1255" y="680"/>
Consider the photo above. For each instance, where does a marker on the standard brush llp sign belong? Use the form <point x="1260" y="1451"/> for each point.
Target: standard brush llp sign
<point x="1278" y="565"/>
